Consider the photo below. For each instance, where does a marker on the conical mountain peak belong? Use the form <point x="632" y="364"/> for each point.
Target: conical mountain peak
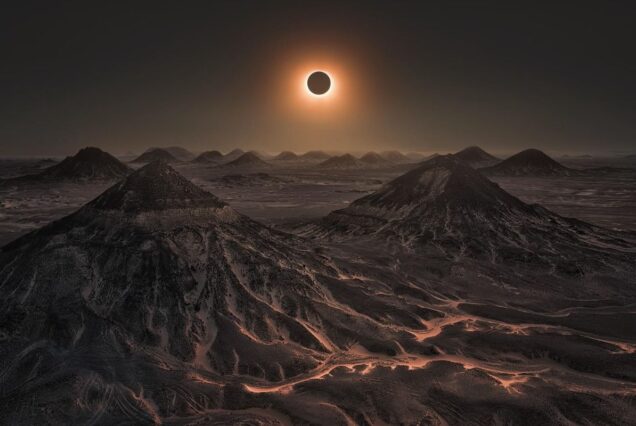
<point x="156" y="186"/>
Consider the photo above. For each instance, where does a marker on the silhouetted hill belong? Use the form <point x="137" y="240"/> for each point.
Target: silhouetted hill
<point x="530" y="162"/>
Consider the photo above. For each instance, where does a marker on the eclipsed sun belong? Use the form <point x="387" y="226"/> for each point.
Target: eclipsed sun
<point x="319" y="83"/>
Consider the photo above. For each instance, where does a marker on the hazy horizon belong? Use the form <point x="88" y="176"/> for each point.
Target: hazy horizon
<point x="409" y="76"/>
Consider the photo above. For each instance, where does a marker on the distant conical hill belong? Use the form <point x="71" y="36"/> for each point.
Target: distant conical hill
<point x="530" y="162"/>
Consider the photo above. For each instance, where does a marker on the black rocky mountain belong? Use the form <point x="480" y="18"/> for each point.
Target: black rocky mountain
<point x="445" y="206"/>
<point x="530" y="162"/>
<point x="209" y="157"/>
<point x="88" y="164"/>
<point x="476" y="157"/>
<point x="157" y="154"/>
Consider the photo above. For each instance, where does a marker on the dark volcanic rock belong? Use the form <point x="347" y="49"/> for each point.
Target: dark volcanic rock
<point x="156" y="154"/>
<point x="476" y="157"/>
<point x="530" y="162"/>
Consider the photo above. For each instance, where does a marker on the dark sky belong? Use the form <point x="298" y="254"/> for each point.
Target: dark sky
<point x="411" y="75"/>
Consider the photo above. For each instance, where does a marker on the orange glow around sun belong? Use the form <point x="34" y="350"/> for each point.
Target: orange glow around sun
<point x="302" y="103"/>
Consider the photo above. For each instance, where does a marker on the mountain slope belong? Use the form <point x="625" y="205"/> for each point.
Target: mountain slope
<point x="530" y="162"/>
<point x="476" y="157"/>
<point x="447" y="207"/>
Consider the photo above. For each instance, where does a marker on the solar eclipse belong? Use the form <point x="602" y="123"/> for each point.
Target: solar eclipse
<point x="319" y="83"/>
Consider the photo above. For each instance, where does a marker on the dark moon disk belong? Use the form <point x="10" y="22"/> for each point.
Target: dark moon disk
<point x="319" y="83"/>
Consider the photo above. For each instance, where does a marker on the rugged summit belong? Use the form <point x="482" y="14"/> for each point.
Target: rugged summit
<point x="530" y="162"/>
<point x="248" y="160"/>
<point x="157" y="154"/>
<point x="476" y="157"/>
<point x="447" y="206"/>
<point x="88" y="164"/>
<point x="209" y="157"/>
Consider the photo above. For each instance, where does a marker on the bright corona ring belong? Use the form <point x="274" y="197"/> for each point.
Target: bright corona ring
<point x="319" y="83"/>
